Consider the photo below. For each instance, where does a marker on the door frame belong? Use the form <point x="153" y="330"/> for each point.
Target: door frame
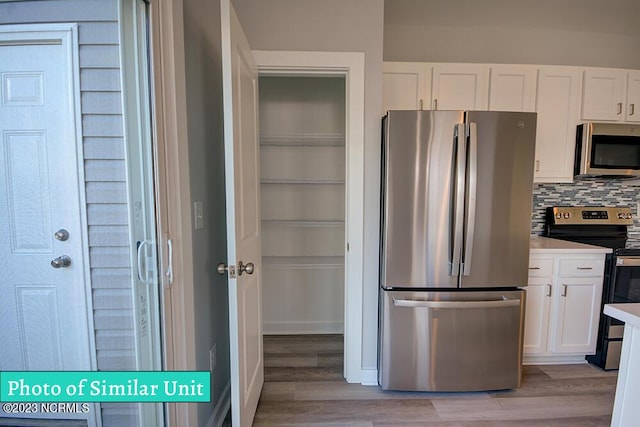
<point x="173" y="197"/>
<point x="351" y="66"/>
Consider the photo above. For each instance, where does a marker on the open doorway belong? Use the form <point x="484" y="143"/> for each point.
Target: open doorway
<point x="302" y="180"/>
<point x="302" y="162"/>
<point x="348" y="70"/>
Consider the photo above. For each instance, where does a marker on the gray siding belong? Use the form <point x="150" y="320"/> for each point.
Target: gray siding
<point x="105" y="176"/>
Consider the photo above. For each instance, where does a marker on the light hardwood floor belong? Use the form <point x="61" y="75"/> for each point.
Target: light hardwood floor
<point x="304" y="387"/>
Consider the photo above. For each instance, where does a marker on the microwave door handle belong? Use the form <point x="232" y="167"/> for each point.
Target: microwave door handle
<point x="472" y="184"/>
<point x="459" y="152"/>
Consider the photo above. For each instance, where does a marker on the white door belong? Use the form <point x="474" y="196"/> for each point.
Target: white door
<point x="44" y="290"/>
<point x="240" y="98"/>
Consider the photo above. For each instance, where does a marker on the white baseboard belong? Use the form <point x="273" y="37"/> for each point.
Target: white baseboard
<point x="369" y="377"/>
<point x="293" y="328"/>
<point x="222" y="407"/>
<point x="554" y="359"/>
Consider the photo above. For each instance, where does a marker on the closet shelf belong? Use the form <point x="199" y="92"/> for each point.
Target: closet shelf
<point x="302" y="181"/>
<point x="304" y="222"/>
<point x="304" y="139"/>
<point x="302" y="262"/>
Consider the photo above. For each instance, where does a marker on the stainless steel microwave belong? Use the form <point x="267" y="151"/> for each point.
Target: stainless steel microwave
<point x="607" y="149"/>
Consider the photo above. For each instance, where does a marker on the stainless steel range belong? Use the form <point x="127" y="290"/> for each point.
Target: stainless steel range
<point x="604" y="226"/>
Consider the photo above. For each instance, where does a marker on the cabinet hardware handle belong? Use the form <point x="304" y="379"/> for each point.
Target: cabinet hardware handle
<point x="534" y="268"/>
<point x="548" y="290"/>
<point x="421" y="104"/>
<point x="564" y="290"/>
<point x="435" y="104"/>
<point x="632" y="108"/>
<point x="585" y="268"/>
<point x="537" y="165"/>
<point x="619" y="108"/>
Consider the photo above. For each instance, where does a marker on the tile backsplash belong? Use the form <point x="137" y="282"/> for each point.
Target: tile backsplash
<point x="587" y="192"/>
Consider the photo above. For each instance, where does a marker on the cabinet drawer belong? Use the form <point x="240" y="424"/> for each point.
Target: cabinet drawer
<point x="581" y="267"/>
<point x="540" y="267"/>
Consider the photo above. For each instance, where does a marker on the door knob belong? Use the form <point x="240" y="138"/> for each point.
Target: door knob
<point x="245" y="268"/>
<point x="61" y="262"/>
<point x="61" y="235"/>
<point x="223" y="269"/>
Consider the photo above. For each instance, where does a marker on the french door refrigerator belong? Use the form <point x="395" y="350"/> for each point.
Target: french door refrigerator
<point x="455" y="227"/>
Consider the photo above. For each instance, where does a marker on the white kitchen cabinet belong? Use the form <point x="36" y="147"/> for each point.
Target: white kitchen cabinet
<point x="578" y="306"/>
<point x="406" y="86"/>
<point x="563" y="306"/>
<point x="536" y="325"/>
<point x="611" y="95"/>
<point x="442" y="86"/>
<point x="438" y="86"/>
<point x="633" y="96"/>
<point x="512" y="88"/>
<point x="460" y="87"/>
<point x="558" y="108"/>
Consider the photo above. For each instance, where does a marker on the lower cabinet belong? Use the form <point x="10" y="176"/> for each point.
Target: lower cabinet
<point x="563" y="306"/>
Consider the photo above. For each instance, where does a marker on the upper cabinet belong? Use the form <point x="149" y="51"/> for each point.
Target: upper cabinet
<point x="427" y="86"/>
<point x="562" y="97"/>
<point x="460" y="87"/>
<point x="512" y="88"/>
<point x="611" y="95"/>
<point x="633" y="96"/>
<point x="558" y="107"/>
<point x="405" y="86"/>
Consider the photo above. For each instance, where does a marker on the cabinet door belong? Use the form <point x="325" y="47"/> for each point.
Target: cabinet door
<point x="575" y="327"/>
<point x="603" y="94"/>
<point x="633" y="96"/>
<point x="536" y="320"/>
<point x="460" y="87"/>
<point x="558" y="107"/>
<point x="512" y="88"/>
<point x="405" y="86"/>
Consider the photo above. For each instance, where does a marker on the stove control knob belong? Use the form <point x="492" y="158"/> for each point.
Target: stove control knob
<point x="620" y="215"/>
<point x="628" y="215"/>
<point x="566" y="215"/>
<point x="559" y="215"/>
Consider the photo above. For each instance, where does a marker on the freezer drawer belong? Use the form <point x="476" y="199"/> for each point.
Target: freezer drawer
<point x="451" y="341"/>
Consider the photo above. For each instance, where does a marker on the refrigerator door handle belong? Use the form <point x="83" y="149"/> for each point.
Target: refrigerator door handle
<point x="505" y="302"/>
<point x="458" y="197"/>
<point x="472" y="182"/>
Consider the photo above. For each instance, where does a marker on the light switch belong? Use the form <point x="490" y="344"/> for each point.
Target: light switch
<point x="198" y="215"/>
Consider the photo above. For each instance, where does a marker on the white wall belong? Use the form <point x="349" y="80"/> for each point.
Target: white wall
<point x="346" y="26"/>
<point x="568" y="32"/>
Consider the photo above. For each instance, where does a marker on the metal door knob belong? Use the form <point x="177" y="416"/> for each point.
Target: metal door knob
<point x="222" y="269"/>
<point x="61" y="262"/>
<point x="245" y="268"/>
<point x="62" y="235"/>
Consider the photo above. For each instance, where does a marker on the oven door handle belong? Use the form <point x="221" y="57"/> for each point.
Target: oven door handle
<point x="627" y="261"/>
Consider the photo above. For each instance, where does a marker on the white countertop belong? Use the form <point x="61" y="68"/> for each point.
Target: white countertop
<point x="541" y="244"/>
<point x="627" y="313"/>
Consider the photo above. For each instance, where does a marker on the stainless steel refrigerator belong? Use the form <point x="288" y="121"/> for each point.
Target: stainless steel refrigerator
<point x="455" y="227"/>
